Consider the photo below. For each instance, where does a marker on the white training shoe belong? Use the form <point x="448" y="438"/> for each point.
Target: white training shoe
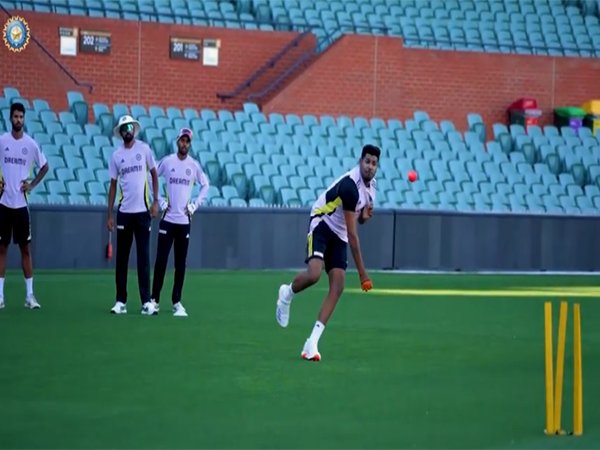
<point x="179" y="310"/>
<point x="1" y="302"/>
<point x="32" y="303"/>
<point x="284" y="301"/>
<point x="148" y="309"/>
<point x="119" y="308"/>
<point x="310" y="352"/>
<point x="156" y="306"/>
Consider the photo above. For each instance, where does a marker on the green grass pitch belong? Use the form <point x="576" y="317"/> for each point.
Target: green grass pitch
<point x="400" y="369"/>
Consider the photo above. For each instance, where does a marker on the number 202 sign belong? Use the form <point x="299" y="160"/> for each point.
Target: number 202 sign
<point x="95" y="42"/>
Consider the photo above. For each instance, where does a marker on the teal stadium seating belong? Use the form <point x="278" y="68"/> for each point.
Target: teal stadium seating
<point x="543" y="27"/>
<point x="258" y="160"/>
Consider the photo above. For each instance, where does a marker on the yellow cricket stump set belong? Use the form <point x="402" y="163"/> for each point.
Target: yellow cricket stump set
<point x="554" y="387"/>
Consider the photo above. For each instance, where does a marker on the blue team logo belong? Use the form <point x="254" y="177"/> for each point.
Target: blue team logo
<point x="24" y="151"/>
<point x="138" y="157"/>
<point x="16" y="34"/>
<point x="188" y="172"/>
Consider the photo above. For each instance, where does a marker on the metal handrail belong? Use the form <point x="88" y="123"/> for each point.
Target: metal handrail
<point x="277" y="81"/>
<point x="264" y="68"/>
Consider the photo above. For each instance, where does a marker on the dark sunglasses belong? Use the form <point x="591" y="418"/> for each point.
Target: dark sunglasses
<point x="127" y="127"/>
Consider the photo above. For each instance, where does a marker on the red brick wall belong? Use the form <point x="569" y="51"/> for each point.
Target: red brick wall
<point x="358" y="76"/>
<point x="135" y="73"/>
<point x="377" y="76"/>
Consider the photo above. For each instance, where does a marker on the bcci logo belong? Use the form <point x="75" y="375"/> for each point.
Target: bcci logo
<point x="16" y="34"/>
<point x="188" y="172"/>
<point x="138" y="157"/>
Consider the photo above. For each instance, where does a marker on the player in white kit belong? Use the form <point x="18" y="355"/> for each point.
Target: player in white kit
<point x="18" y="153"/>
<point x="180" y="172"/>
<point x="332" y="226"/>
<point x="130" y="164"/>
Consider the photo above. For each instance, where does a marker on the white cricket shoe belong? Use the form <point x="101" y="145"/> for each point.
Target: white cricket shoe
<point x="119" y="308"/>
<point x="156" y="306"/>
<point x="32" y="303"/>
<point x="179" y="310"/>
<point x="148" y="309"/>
<point x="1" y="302"/>
<point x="284" y="301"/>
<point x="310" y="352"/>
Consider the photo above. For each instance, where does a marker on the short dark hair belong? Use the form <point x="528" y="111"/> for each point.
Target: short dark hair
<point x="370" y="150"/>
<point x="16" y="107"/>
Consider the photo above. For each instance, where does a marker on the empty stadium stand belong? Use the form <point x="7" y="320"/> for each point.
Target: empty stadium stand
<point x="543" y="27"/>
<point x="256" y="160"/>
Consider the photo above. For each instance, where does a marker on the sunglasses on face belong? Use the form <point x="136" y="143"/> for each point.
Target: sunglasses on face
<point x="128" y="127"/>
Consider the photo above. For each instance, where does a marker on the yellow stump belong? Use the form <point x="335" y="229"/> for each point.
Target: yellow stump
<point x="577" y="373"/>
<point x="549" y="376"/>
<point x="560" y="365"/>
<point x="554" y="387"/>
